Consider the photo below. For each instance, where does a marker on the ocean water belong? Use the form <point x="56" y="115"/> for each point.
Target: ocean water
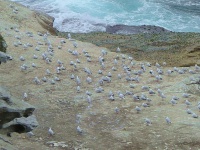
<point x="89" y="15"/>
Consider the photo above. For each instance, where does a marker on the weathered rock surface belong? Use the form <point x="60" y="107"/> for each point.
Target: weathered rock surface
<point x="5" y="144"/>
<point x="3" y="44"/>
<point x="45" y="21"/>
<point x="3" y="56"/>
<point x="15" y="115"/>
<point x="124" y="29"/>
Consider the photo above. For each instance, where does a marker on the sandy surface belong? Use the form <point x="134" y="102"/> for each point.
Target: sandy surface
<point x="58" y="105"/>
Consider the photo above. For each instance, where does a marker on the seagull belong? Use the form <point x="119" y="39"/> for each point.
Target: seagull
<point x="173" y="102"/>
<point x="99" y="89"/>
<point x="118" y="49"/>
<point x="110" y="93"/>
<point x="25" y="46"/>
<point x="88" y="93"/>
<point x="159" y="91"/>
<point x="48" y="72"/>
<point x="58" y="70"/>
<point x="72" y="76"/>
<point x="145" y="88"/>
<point x="186" y="95"/>
<point x="35" y="56"/>
<point x="121" y="96"/>
<point x="37" y="48"/>
<point x="79" y="130"/>
<point x="157" y="65"/>
<point x="152" y="73"/>
<point x="143" y="97"/>
<point x="56" y="79"/>
<point x="78" y="89"/>
<point x="36" y="80"/>
<point x="164" y="63"/>
<point x="148" y="64"/>
<point x="78" y="61"/>
<point x="69" y="36"/>
<point x="33" y="65"/>
<point x="75" y="45"/>
<point x="111" y="98"/>
<point x="136" y="97"/>
<point x="148" y="121"/>
<point x="78" y="81"/>
<point x="159" y="71"/>
<point x="132" y="85"/>
<point x="169" y="72"/>
<point x="119" y="76"/>
<point x="89" y="80"/>
<point x="168" y="120"/>
<point x="88" y="59"/>
<point x="44" y="79"/>
<point x="151" y="92"/>
<point x="50" y="132"/>
<point x="162" y="96"/>
<point x="89" y="100"/>
<point x="187" y="103"/>
<point x="53" y="81"/>
<point x="138" y="109"/>
<point x="19" y="43"/>
<point x="25" y="96"/>
<point x="117" y="110"/>
<point x="115" y="61"/>
<point x="30" y="134"/>
<point x="109" y="74"/>
<point x="145" y="105"/>
<point x="21" y="58"/>
<point x="128" y="92"/>
<point x="194" y="115"/>
<point x="114" y="69"/>
<point x="71" y="63"/>
<point x="175" y="98"/>
<point x="189" y="111"/>
<point x="158" y="78"/>
<point x="100" y="72"/>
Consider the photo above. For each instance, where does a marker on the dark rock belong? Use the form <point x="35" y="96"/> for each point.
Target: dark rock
<point x="5" y="144"/>
<point x="15" y="115"/>
<point x="124" y="29"/>
<point x="22" y="124"/>
<point x="5" y="95"/>
<point x="3" y="44"/>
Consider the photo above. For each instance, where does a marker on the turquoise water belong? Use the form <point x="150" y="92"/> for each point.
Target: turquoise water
<point x="90" y="15"/>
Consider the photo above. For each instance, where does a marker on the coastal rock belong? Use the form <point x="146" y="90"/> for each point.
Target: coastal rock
<point x="3" y="44"/>
<point x="5" y="144"/>
<point x="45" y="21"/>
<point x="15" y="115"/>
<point x="125" y="29"/>
<point x="22" y="124"/>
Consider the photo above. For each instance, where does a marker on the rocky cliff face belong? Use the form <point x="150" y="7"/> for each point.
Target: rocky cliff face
<point x="15" y="115"/>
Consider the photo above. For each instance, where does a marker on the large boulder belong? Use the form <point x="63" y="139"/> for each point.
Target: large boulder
<point x="15" y="115"/>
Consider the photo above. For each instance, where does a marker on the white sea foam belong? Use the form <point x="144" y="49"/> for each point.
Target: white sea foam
<point x="88" y="15"/>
